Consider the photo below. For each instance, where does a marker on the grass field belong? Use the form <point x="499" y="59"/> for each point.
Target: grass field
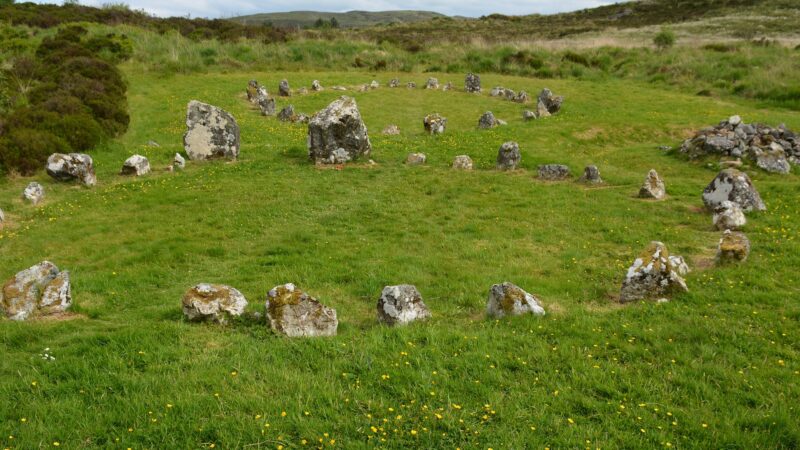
<point x="718" y="367"/>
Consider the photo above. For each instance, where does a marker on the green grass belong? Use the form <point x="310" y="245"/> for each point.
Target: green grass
<point x="715" y="368"/>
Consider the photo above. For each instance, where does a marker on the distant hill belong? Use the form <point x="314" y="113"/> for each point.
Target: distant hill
<point x="350" y="19"/>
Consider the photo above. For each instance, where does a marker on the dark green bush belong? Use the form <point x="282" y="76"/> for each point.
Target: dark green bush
<point x="23" y="150"/>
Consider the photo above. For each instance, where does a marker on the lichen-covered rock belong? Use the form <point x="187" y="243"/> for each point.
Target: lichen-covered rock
<point x="287" y="114"/>
<point x="508" y="156"/>
<point x="316" y="86"/>
<point x="472" y="83"/>
<point x="39" y="290"/>
<point x="772" y="159"/>
<point x="462" y="162"/>
<point x="679" y="265"/>
<point x="213" y="302"/>
<point x="653" y="186"/>
<point x="337" y="134"/>
<point x="73" y="166"/>
<point x="734" y="246"/>
<point x="652" y="276"/>
<point x="266" y="105"/>
<point x="294" y="313"/>
<point x="283" y="89"/>
<point x="411" y="85"/>
<point x="394" y="83"/>
<point x="211" y="133"/>
<point x="729" y="216"/>
<point x="487" y="120"/>
<point x="254" y="90"/>
<point x="391" y="130"/>
<point x="529" y="115"/>
<point x="434" y="124"/>
<point x="432" y="83"/>
<point x="33" y="193"/>
<point x="508" y="299"/>
<point x="554" y="172"/>
<point x="178" y="162"/>
<point x="522" y="97"/>
<point x="414" y="159"/>
<point x="734" y="186"/>
<point x="401" y="305"/>
<point x="136" y="165"/>
<point x="541" y="110"/>
<point x="551" y="101"/>
<point x="591" y="175"/>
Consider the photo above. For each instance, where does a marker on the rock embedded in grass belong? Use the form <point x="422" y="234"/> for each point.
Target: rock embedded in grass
<point x="374" y="84"/>
<point x="211" y="133"/>
<point x="448" y="86"/>
<point x="414" y="159"/>
<point x="213" y="303"/>
<point x="2" y="216"/>
<point x="550" y="101"/>
<point x="287" y="114"/>
<point x="472" y="83"/>
<point x="653" y="186"/>
<point x="772" y="159"/>
<point x="283" y="89"/>
<point x="432" y="83"/>
<point x="401" y="305"/>
<point x="391" y="130"/>
<point x="487" y="120"/>
<point x="33" y="193"/>
<point x="136" y="165"/>
<point x="294" y="313"/>
<point x="37" y="291"/>
<point x="337" y="134"/>
<point x="411" y="85"/>
<point x="266" y="105"/>
<point x="734" y="247"/>
<point x="554" y="172"/>
<point x="316" y="86"/>
<point x="394" y="83"/>
<point x="522" y="97"/>
<point x="178" y="162"/>
<point x="508" y="156"/>
<point x="508" y="299"/>
<point x="735" y="186"/>
<point x="729" y="216"/>
<point x="652" y="275"/>
<point x="591" y="175"/>
<point x="70" y="167"/>
<point x="462" y="162"/>
<point x="529" y="115"/>
<point x="434" y="124"/>
<point x="254" y="90"/>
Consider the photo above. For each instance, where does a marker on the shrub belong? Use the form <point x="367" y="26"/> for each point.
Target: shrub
<point x="664" y="39"/>
<point x="24" y="150"/>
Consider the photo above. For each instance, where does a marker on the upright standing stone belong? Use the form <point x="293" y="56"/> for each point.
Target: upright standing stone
<point x="337" y="134"/>
<point x="729" y="216"/>
<point x="73" y="166"/>
<point x="283" y="89"/>
<point x="651" y="276"/>
<point x="374" y="84"/>
<point x="178" y="162"/>
<point x="136" y="165"/>
<point x="448" y="86"/>
<point x="733" y="247"/>
<point x="653" y="186"/>
<point x="551" y="101"/>
<point x="294" y="313"/>
<point x="522" y="97"/>
<point x="39" y="290"/>
<point x="434" y="124"/>
<point x="2" y="217"/>
<point x="33" y="193"/>
<point x="287" y="114"/>
<point x="394" y="83"/>
<point x="211" y="133"/>
<point x="401" y="305"/>
<point x="472" y="83"/>
<point x="508" y="156"/>
<point x="591" y="175"/>
<point x="316" y="86"/>
<point x="266" y="105"/>
<point x="487" y="120"/>
<point x="253" y="90"/>
<point x="462" y="162"/>
<point x="432" y="83"/>
<point x="213" y="302"/>
<point x="529" y="115"/>
<point x="508" y="299"/>
<point x="734" y="186"/>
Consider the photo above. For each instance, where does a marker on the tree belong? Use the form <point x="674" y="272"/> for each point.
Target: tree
<point x="334" y="22"/>
<point x="664" y="39"/>
<point x="6" y="2"/>
<point x="319" y="23"/>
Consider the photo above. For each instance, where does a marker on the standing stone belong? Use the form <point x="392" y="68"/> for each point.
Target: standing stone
<point x="287" y="114"/>
<point x="2" y="217"/>
<point x="374" y="84"/>
<point x="508" y="299"/>
<point x="316" y="86"/>
<point x="448" y="86"/>
<point x="178" y="162"/>
<point x="487" y="120"/>
<point x="554" y="172"/>
<point x="550" y="101"/>
<point x="33" y="193"/>
<point x="74" y="166"/>
<point x="283" y="89"/>
<point x="266" y="105"/>
<point x="508" y="156"/>
<point x="735" y="186"/>
<point x="522" y="97"/>
<point x="401" y="305"/>
<point x="653" y="186"/>
<point x="432" y="83"/>
<point x="136" y="165"/>
<point x="729" y="216"/>
<point x="294" y="313"/>
<point x="213" y="302"/>
<point x="391" y="130"/>
<point x="411" y="85"/>
<point x="651" y="276"/>
<point x="394" y="83"/>
<point x="414" y="159"/>
<point x="591" y="175"/>
<point x="254" y="90"/>
<point x="434" y="124"/>
<point x="541" y="110"/>
<point x="462" y="162"/>
<point x="39" y="290"/>
<point x="337" y="134"/>
<point x="472" y="83"/>
<point x="212" y="133"/>
<point x="529" y="115"/>
<point x="733" y="247"/>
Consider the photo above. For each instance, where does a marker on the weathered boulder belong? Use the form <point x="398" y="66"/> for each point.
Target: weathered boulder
<point x="339" y="88"/>
<point x="448" y="86"/>
<point x="213" y="302"/>
<point x="734" y="186"/>
<point x="487" y="120"/>
<point x="432" y="83"/>
<point x="391" y="130"/>
<point x="729" y="216"/>
<point x="541" y="110"/>
<point x="302" y="90"/>
<point x="294" y="313"/>
<point x="283" y="89"/>
<point x="374" y="84"/>
<point x="653" y="186"/>
<point x="522" y="97"/>
<point x="394" y="83"/>
<point x="462" y="162"/>
<point x="434" y="124"/>
<point x="411" y="85"/>
<point x="211" y="133"/>
<point x="772" y="159"/>
<point x="178" y="162"/>
<point x="337" y="134"/>
<point x="287" y="114"/>
<point x="734" y="246"/>
<point x="401" y="305"/>
<point x="679" y="265"/>
<point x="2" y="216"/>
<point x="39" y="290"/>
<point x="266" y="105"/>
<point x="472" y="83"/>
<point x="551" y="101"/>
<point x="73" y="166"/>
<point x="554" y="172"/>
<point x="652" y="276"/>
<point x="136" y="165"/>
<point x="252" y="90"/>
<point x="499" y="91"/>
<point x="414" y="159"/>
<point x="529" y="115"/>
<point x="591" y="175"/>
<point x="316" y="86"/>
<point x="508" y="299"/>
<point x="508" y="156"/>
<point x="33" y="193"/>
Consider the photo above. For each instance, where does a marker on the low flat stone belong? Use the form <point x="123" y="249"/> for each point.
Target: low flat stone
<point x="391" y="130"/>
<point x="729" y="216"/>
<point x="294" y="313"/>
<point x="401" y="305"/>
<point x="414" y="159"/>
<point x="136" y="165"/>
<point x="213" y="302"/>
<point x="554" y="172"/>
<point x="71" y="167"/>
<point x="508" y="299"/>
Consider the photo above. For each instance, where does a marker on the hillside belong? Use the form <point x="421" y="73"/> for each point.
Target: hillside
<point x="350" y="19"/>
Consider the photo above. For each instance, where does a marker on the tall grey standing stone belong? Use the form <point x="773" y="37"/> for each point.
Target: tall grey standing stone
<point x="591" y="175"/>
<point x="653" y="186"/>
<point x="434" y="124"/>
<point x="213" y="302"/>
<point x="266" y="105"/>
<point x="33" y="193"/>
<point x="337" y="134"/>
<point x="508" y="299"/>
<point x="462" y="162"/>
<point x="287" y="114"/>
<point x="283" y="89"/>
<point x="39" y="290"/>
<point x="401" y="305"/>
<point x="554" y="172"/>
<point x="550" y="101"/>
<point x="294" y="313"/>
<point x="211" y="133"/>
<point x="136" y="165"/>
<point x="734" y="186"/>
<point x="472" y="83"/>
<point x="508" y="156"/>
<point x="651" y="276"/>
<point x="487" y="120"/>
<point x="73" y="166"/>
<point x="432" y="83"/>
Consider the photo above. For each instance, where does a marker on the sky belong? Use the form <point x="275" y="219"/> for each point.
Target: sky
<point x="229" y="8"/>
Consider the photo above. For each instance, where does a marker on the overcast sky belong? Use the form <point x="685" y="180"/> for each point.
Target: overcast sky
<point x="228" y="8"/>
